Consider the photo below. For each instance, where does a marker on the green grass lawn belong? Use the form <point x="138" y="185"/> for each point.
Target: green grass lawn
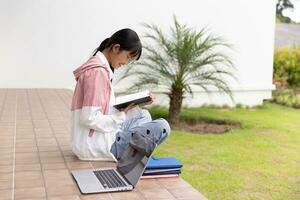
<point x="259" y="161"/>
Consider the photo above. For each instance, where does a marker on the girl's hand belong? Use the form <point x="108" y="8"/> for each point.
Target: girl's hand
<point x="132" y="105"/>
<point x="152" y="96"/>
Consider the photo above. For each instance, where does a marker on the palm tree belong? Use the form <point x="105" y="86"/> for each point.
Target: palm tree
<point x="177" y="63"/>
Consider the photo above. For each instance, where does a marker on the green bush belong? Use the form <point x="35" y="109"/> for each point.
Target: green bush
<point x="287" y="66"/>
<point x="288" y="97"/>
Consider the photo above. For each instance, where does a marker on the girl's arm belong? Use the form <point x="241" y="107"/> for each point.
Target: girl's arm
<point x="93" y="85"/>
<point x="93" y="118"/>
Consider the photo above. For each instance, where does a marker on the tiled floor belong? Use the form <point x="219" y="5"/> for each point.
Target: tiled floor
<point x="35" y="154"/>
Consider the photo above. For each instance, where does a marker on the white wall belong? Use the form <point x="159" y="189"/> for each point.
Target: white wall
<point x="43" y="41"/>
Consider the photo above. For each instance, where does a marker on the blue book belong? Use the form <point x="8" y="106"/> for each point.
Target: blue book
<point x="163" y="163"/>
<point x="162" y="172"/>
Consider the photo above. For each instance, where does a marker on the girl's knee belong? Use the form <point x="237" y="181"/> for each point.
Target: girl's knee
<point x="165" y="130"/>
<point x="165" y="126"/>
<point x="146" y="115"/>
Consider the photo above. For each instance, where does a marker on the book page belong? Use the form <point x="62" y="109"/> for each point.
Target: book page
<point x="130" y="97"/>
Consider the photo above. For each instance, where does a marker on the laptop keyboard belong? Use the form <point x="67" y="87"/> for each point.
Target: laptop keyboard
<point x="109" y="178"/>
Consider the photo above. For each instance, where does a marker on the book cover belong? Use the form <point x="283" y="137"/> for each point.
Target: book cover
<point x="148" y="171"/>
<point x="163" y="172"/>
<point x="159" y="176"/>
<point x="162" y="163"/>
<point x="136" y="98"/>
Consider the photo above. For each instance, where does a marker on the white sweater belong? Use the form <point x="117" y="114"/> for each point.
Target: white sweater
<point x="97" y="147"/>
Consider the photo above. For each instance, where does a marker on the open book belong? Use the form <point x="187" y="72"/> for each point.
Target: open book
<point x="136" y="98"/>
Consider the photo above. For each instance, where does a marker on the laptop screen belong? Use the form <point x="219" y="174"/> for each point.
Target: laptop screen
<point x="132" y="164"/>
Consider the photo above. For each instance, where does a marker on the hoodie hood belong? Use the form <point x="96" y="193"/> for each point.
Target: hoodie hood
<point x="91" y="63"/>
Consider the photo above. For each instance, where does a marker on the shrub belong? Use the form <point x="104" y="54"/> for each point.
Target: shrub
<point x="287" y="97"/>
<point x="287" y="66"/>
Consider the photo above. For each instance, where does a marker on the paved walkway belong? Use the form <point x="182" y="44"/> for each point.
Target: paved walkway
<point x="36" y="159"/>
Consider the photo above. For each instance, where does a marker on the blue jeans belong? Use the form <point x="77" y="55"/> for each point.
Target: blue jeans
<point x="157" y="130"/>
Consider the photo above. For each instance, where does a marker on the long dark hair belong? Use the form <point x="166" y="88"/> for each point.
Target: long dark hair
<point x="127" y="39"/>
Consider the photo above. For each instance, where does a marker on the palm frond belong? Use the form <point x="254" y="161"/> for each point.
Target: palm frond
<point x="183" y="58"/>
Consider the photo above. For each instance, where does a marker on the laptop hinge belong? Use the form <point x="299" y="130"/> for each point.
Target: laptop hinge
<point x="128" y="182"/>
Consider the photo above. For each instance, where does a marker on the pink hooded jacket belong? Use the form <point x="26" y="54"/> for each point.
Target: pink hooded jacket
<point x="94" y="121"/>
<point x="93" y="85"/>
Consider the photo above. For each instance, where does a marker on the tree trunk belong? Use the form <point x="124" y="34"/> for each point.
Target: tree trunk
<point x="176" y="97"/>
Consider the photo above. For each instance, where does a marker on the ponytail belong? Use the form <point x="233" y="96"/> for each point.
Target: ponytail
<point x="104" y="44"/>
<point x="127" y="39"/>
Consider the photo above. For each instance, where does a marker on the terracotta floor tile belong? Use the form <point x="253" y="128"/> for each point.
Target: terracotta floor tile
<point x="56" y="173"/>
<point x="5" y="151"/>
<point x="57" y="122"/>
<point x="50" y="154"/>
<point x="38" y="136"/>
<point x="70" y="197"/>
<point x="27" y="158"/>
<point x="64" y="141"/>
<point x="58" y="182"/>
<point x="68" y="153"/>
<point x="59" y="128"/>
<point x="157" y="194"/>
<point x="100" y="164"/>
<point x="24" y="122"/>
<point x="28" y="179"/>
<point x="43" y="130"/>
<point x="61" y="191"/>
<point x="29" y="183"/>
<point x="39" y="116"/>
<point x="173" y="182"/>
<point x="6" y="145"/>
<point x="28" y="175"/>
<point x="6" y="184"/>
<point x="5" y="194"/>
<point x="28" y="126"/>
<point x="6" y="162"/>
<point x="7" y="137"/>
<point x="7" y="156"/>
<point x="6" y="168"/>
<point x="187" y="193"/>
<point x="41" y="123"/>
<point x="134" y="195"/>
<point x="100" y="196"/>
<point x="63" y="133"/>
<point x="46" y="142"/>
<point x="59" y="177"/>
<point x="27" y="167"/>
<point x="79" y="165"/>
<point x="7" y="132"/>
<point x="66" y="147"/>
<point x="61" y="183"/>
<point x="26" y="193"/>
<point x="47" y="166"/>
<point x="148" y="184"/>
<point x="48" y="148"/>
<point x="6" y="142"/>
<point x="24" y="131"/>
<point x="52" y="160"/>
<point x="43" y="133"/>
<point x="25" y="136"/>
<point x="25" y="142"/>
<point x="6" y="176"/>
<point x="29" y="149"/>
<point x="71" y="158"/>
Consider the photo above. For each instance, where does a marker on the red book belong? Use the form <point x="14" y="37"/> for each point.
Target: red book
<point x="159" y="176"/>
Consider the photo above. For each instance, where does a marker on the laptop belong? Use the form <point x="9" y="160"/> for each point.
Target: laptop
<point x="122" y="178"/>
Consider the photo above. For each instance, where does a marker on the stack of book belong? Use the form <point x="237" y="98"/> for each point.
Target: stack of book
<point x="162" y="167"/>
